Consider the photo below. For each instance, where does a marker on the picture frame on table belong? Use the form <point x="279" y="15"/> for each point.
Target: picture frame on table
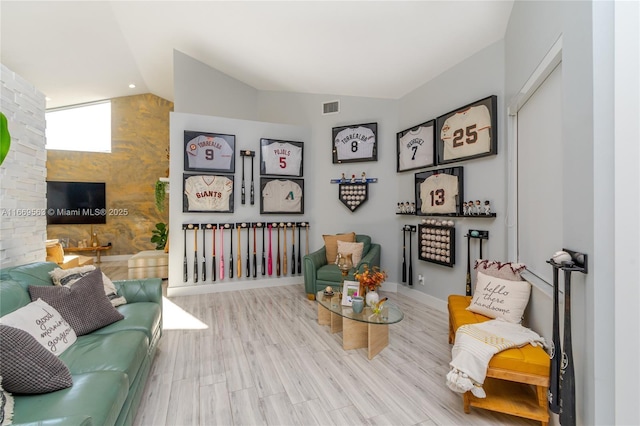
<point x="281" y="157"/>
<point x="349" y="288"/>
<point x="207" y="193"/>
<point x="415" y="147"/>
<point x="440" y="192"/>
<point x="281" y="196"/>
<point x="209" y="152"/>
<point x="468" y="132"/>
<point x="354" y="143"/>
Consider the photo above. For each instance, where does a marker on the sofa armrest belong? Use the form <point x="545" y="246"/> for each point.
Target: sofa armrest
<point x="372" y="258"/>
<point x="143" y="290"/>
<point x="311" y="262"/>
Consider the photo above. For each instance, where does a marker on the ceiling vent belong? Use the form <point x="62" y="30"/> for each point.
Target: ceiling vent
<point x="332" y="107"/>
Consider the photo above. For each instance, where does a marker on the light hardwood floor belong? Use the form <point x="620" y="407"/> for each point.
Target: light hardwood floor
<point x="258" y="357"/>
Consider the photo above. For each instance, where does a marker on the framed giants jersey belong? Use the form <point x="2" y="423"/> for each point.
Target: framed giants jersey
<point x="468" y="132"/>
<point x="210" y="152"/>
<point x="439" y="192"/>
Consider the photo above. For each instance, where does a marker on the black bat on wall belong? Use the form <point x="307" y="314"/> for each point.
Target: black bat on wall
<point x="185" y="267"/>
<point x="567" y="379"/>
<point x="404" y="254"/>
<point x="556" y="350"/>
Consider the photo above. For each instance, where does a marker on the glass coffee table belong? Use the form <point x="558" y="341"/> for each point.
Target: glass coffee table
<point x="363" y="330"/>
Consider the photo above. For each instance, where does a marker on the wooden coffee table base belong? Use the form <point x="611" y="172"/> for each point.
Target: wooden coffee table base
<point x="356" y="334"/>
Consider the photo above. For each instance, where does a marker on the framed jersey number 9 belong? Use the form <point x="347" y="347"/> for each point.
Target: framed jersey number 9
<point x="209" y="152"/>
<point x="468" y="132"/>
<point x="439" y="192"/>
<point x="354" y="143"/>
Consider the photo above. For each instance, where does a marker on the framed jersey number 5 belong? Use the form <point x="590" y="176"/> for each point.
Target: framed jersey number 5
<point x="209" y="152"/>
<point x="280" y="158"/>
<point x="358" y="142"/>
<point x="468" y="132"/>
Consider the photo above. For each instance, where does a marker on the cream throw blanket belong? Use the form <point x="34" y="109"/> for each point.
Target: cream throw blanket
<point x="474" y="346"/>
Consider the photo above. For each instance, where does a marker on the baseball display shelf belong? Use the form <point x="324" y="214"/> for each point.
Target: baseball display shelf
<point x="353" y="192"/>
<point x="437" y="244"/>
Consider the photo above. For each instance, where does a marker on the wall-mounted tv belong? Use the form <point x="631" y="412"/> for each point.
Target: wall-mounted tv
<point x="76" y="203"/>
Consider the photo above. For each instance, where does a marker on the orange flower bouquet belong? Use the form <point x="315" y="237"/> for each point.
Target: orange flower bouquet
<point x="371" y="279"/>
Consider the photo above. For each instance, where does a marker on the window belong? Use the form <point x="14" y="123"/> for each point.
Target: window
<point x="80" y="128"/>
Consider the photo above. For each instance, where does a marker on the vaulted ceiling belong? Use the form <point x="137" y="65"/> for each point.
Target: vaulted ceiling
<point x="76" y="52"/>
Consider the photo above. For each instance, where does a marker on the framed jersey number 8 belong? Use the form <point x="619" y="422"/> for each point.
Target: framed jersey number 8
<point x="468" y="132"/>
<point x="354" y="143"/>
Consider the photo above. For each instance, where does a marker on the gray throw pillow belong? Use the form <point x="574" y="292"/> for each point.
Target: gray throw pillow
<point x="27" y="367"/>
<point x="84" y="306"/>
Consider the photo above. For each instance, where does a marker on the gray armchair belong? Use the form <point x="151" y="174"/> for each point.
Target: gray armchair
<point x="318" y="274"/>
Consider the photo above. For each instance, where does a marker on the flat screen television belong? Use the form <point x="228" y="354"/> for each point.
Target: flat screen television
<point x="76" y="203"/>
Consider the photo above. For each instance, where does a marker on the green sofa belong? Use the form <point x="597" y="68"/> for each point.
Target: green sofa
<point x="318" y="274"/>
<point x="109" y="366"/>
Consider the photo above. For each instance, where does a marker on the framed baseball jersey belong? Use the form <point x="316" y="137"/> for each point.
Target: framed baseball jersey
<point x="415" y="147"/>
<point x="439" y="192"/>
<point x="355" y="143"/>
<point x="282" y="196"/>
<point x="468" y="132"/>
<point x="280" y="158"/>
<point x="207" y="193"/>
<point x="210" y="152"/>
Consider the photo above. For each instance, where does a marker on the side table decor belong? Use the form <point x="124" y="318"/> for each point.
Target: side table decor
<point x="370" y="280"/>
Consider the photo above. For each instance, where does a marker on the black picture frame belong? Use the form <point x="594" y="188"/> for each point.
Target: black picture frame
<point x="442" y="191"/>
<point x="437" y="244"/>
<point x="287" y="157"/>
<point x="415" y="147"/>
<point x="361" y="137"/>
<point x="281" y="196"/>
<point x="201" y="198"/>
<point x="468" y="132"/>
<point x="209" y="152"/>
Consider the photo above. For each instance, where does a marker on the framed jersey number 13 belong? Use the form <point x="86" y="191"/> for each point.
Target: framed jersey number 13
<point x="439" y="192"/>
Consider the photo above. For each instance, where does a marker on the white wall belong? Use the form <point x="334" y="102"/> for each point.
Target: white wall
<point x="23" y="225"/>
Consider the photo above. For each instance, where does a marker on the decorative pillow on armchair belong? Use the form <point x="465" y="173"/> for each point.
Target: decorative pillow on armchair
<point x="505" y="270"/>
<point x="27" y="367"/>
<point x="354" y="249"/>
<point x="499" y="298"/>
<point x="84" y="305"/>
<point x="331" y="244"/>
<point x="70" y="276"/>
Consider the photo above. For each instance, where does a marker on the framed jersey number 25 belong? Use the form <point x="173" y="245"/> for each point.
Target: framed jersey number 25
<point x="358" y="142"/>
<point x="209" y="152"/>
<point x="468" y="132"/>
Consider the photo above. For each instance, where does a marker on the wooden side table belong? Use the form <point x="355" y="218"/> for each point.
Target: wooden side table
<point x="96" y="250"/>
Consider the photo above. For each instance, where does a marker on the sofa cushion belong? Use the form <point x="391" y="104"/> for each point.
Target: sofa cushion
<point x="27" y="367"/>
<point x="44" y="323"/>
<point x="354" y="249"/>
<point x="68" y="277"/>
<point x="6" y="406"/>
<point x="499" y="298"/>
<point x="124" y="351"/>
<point x="84" y="306"/>
<point x="98" y="397"/>
<point x="331" y="244"/>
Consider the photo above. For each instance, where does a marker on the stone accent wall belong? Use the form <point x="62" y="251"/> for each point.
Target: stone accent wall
<point x="139" y="150"/>
<point x="23" y="224"/>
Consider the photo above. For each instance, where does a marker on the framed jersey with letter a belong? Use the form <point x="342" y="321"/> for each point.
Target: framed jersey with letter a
<point x="355" y="143"/>
<point x="207" y="193"/>
<point x="416" y="148"/>
<point x="468" y="132"/>
<point x="281" y="196"/>
<point x="280" y="158"/>
<point x="209" y="152"/>
<point x="439" y="192"/>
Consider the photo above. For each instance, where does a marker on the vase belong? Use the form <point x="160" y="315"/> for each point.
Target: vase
<point x="372" y="297"/>
<point x="357" y="304"/>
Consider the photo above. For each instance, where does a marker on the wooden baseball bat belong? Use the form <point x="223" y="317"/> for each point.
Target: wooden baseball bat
<point x="556" y="349"/>
<point x="278" y="252"/>
<point x="300" y="249"/>
<point x="242" y="189"/>
<point x="264" y="256"/>
<point x="204" y="255"/>
<point x="404" y="251"/>
<point x="410" y="260"/>
<point x="248" y="267"/>
<point x="195" y="254"/>
<point x="293" y="249"/>
<point x="252" y="192"/>
<point x="185" y="267"/>
<point x="231" y="252"/>
<point x="284" y="256"/>
<point x="213" y="260"/>
<point x="270" y="258"/>
<point x="239" y="274"/>
<point x="222" y="253"/>
<point x="255" y="258"/>
<point x="567" y="379"/>
<point x="468" y="282"/>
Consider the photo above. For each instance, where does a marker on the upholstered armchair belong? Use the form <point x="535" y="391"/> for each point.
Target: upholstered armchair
<point x="320" y="273"/>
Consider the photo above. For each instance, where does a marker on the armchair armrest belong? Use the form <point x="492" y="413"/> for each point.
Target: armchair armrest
<point x="372" y="258"/>
<point x="311" y="262"/>
<point x="144" y="290"/>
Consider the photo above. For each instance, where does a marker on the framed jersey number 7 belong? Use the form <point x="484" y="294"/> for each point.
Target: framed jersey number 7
<point x="468" y="132"/>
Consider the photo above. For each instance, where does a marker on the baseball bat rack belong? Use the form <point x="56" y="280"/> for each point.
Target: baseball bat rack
<point x="208" y="247"/>
<point x="247" y="153"/>
<point x="578" y="262"/>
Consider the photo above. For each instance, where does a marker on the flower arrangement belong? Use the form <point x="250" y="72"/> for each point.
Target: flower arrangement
<point x="371" y="279"/>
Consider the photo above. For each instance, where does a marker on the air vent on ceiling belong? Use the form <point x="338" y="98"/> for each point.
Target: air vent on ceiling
<point x="332" y="107"/>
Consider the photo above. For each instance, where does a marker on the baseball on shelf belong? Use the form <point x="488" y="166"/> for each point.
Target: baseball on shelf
<point x="560" y="256"/>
